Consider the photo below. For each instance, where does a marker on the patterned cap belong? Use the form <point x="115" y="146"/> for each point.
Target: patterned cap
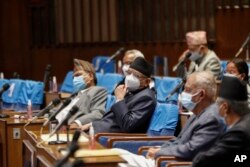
<point x="196" y="38"/>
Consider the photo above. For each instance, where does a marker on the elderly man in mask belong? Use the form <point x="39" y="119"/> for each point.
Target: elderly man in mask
<point x="201" y="130"/>
<point x="201" y="57"/>
<point x="128" y="59"/>
<point x="135" y="103"/>
<point x="231" y="147"/>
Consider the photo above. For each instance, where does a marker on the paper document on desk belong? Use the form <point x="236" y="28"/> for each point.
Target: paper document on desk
<point x="93" y="153"/>
<point x="63" y="137"/>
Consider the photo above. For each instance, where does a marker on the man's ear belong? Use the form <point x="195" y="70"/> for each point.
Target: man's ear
<point x="202" y="93"/>
<point x="227" y="108"/>
<point x="242" y="76"/>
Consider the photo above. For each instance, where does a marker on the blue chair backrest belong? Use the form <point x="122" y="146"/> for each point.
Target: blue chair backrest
<point x="109" y="81"/>
<point x="67" y="85"/>
<point x="160" y="61"/>
<point x="99" y="76"/>
<point x="20" y="91"/>
<point x="248" y="69"/>
<point x="165" y="86"/>
<point x="164" y="120"/>
<point x="100" y="64"/>
<point x="110" y="101"/>
<point x="223" y="64"/>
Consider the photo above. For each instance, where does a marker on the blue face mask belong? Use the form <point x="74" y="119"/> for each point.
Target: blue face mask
<point x="186" y="101"/>
<point x="79" y="83"/>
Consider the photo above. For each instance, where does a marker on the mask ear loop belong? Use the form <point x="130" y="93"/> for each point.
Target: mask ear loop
<point x="197" y="94"/>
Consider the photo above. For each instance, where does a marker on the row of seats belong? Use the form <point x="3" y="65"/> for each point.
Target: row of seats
<point x="163" y="85"/>
<point x="20" y="91"/>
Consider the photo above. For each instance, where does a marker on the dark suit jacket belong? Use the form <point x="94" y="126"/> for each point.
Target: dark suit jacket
<point x="236" y="141"/>
<point x="132" y="114"/>
<point x="199" y="133"/>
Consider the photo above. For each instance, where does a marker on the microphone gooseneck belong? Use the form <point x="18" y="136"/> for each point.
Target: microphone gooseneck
<point x="52" y="117"/>
<point x="71" y="112"/>
<point x="188" y="54"/>
<point x="117" y="53"/>
<point x="54" y="103"/>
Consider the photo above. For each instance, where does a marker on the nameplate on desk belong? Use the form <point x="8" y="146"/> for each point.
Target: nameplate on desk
<point x="94" y="153"/>
<point x="63" y="137"/>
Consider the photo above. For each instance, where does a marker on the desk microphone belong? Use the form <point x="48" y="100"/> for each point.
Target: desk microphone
<point x="52" y="117"/>
<point x="188" y="54"/>
<point x="52" y="104"/>
<point x="71" y="112"/>
<point x="117" y="53"/>
<point x="70" y="151"/>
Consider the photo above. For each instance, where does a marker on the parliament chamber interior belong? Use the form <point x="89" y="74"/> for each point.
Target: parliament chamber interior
<point x="108" y="83"/>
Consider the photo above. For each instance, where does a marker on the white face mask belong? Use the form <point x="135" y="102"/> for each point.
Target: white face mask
<point x="186" y="100"/>
<point x="195" y="56"/>
<point x="125" y="68"/>
<point x="132" y="82"/>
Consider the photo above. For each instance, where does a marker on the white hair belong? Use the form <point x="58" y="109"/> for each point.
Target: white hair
<point x="207" y="81"/>
<point x="135" y="52"/>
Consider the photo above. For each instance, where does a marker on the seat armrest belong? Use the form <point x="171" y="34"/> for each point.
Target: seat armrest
<point x="174" y="164"/>
<point x="98" y="135"/>
<point x="167" y="158"/>
<point x="136" y="138"/>
<point x="145" y="148"/>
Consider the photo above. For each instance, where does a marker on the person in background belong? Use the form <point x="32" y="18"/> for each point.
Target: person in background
<point x="90" y="99"/>
<point x="202" y="129"/>
<point x="128" y="59"/>
<point x="235" y="142"/>
<point x="135" y="103"/>
<point x="201" y="57"/>
<point x="239" y="68"/>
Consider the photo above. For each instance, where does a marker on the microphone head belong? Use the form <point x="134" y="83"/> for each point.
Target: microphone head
<point x="66" y="102"/>
<point x="73" y="110"/>
<point x="6" y="86"/>
<point x="48" y="67"/>
<point x="78" y="163"/>
<point x="188" y="54"/>
<point x="56" y="101"/>
<point x="121" y="49"/>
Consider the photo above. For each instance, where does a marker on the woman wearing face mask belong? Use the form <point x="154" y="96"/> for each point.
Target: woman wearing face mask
<point x="239" y="68"/>
<point x="90" y="99"/>
<point x="201" y="57"/>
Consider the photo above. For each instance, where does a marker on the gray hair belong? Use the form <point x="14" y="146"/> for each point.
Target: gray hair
<point x="135" y="52"/>
<point x="206" y="80"/>
<point x="239" y="107"/>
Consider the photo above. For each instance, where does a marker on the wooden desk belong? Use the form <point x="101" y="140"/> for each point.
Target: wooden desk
<point x="11" y="136"/>
<point x="41" y="157"/>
